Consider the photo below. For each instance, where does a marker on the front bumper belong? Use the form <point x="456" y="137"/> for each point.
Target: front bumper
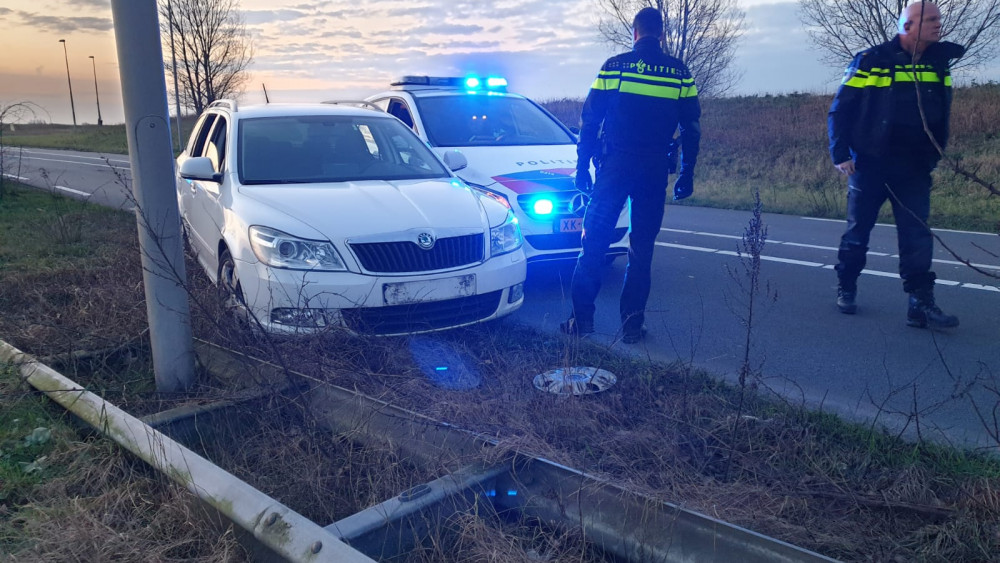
<point x="303" y="302"/>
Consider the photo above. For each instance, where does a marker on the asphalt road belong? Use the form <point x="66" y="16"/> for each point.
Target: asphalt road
<point x="104" y="179"/>
<point x="868" y="366"/>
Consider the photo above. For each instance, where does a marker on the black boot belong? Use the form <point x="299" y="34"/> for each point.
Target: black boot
<point x="845" y="300"/>
<point x="923" y="312"/>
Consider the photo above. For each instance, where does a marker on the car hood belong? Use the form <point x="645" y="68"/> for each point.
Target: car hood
<point x="522" y="169"/>
<point x="372" y="210"/>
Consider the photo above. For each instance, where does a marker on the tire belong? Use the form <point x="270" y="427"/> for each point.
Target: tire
<point x="235" y="313"/>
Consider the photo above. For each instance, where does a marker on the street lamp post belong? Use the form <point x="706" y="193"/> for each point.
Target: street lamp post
<point x="70" y="82"/>
<point x="93" y="62"/>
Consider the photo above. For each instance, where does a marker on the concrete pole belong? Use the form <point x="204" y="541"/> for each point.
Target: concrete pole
<point x="144" y="93"/>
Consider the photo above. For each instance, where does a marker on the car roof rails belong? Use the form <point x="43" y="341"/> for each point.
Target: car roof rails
<point x="228" y="104"/>
<point x="361" y="103"/>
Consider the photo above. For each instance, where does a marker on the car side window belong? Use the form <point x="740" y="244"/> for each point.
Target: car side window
<point x="196" y="146"/>
<point x="398" y="109"/>
<point x="216" y="149"/>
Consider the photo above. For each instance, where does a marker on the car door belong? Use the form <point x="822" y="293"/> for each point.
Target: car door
<point x="186" y="189"/>
<point x="204" y="212"/>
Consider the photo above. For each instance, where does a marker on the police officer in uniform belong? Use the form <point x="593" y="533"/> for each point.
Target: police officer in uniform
<point x="629" y="118"/>
<point x="877" y="138"/>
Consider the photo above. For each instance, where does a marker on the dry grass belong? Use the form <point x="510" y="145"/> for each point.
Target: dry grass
<point x="662" y="431"/>
<point x="107" y="506"/>
<point x="778" y="146"/>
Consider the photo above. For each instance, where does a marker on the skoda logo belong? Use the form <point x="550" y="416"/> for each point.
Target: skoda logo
<point x="578" y="203"/>
<point x="425" y="240"/>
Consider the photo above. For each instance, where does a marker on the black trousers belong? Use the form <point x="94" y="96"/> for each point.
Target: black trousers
<point x="906" y="183"/>
<point x="623" y="176"/>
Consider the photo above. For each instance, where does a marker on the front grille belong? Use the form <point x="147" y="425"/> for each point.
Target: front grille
<point x="406" y="257"/>
<point x="559" y="241"/>
<point x="418" y="317"/>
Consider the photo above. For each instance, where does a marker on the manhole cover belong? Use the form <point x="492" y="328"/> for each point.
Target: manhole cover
<point x="575" y="381"/>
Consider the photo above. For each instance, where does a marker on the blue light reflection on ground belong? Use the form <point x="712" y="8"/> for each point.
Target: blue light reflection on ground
<point x="443" y="364"/>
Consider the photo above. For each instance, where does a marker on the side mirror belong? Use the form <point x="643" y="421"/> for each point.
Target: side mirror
<point x="199" y="168"/>
<point x="455" y="160"/>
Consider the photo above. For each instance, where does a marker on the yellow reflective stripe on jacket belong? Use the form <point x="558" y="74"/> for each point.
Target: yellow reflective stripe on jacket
<point x="689" y="90"/>
<point x="651" y="90"/>
<point x="917" y="77"/>
<point x="605" y="84"/>
<point x="883" y="77"/>
<point x="651" y="78"/>
<point x="607" y="80"/>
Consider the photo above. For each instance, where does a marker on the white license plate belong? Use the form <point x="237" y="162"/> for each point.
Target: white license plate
<point x="571" y="225"/>
<point x="403" y="293"/>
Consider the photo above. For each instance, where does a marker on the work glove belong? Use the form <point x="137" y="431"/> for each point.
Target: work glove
<point x="584" y="182"/>
<point x="684" y="186"/>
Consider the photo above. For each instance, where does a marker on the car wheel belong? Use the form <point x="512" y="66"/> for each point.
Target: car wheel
<point x="186" y="240"/>
<point x="234" y="305"/>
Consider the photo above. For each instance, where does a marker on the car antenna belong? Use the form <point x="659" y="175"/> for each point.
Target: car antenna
<point x="266" y="100"/>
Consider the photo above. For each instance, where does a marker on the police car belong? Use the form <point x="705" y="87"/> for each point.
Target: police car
<point x="516" y="151"/>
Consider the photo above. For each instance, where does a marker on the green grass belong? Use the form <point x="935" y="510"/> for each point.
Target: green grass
<point x="91" y="138"/>
<point x="106" y="138"/>
<point x="31" y="428"/>
<point x="43" y="232"/>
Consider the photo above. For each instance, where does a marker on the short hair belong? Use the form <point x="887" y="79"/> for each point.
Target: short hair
<point x="905" y="13"/>
<point x="648" y="21"/>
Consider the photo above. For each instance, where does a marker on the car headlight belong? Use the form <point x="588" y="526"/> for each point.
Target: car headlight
<point x="507" y="237"/>
<point x="498" y="197"/>
<point x="281" y="250"/>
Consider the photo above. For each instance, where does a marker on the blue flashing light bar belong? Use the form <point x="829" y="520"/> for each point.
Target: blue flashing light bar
<point x="470" y="82"/>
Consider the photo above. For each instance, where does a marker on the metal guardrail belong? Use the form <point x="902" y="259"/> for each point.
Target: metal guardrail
<point x="284" y="531"/>
<point x="627" y="525"/>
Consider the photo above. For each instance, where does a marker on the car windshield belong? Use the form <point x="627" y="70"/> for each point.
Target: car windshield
<point x="309" y="149"/>
<point x="484" y="119"/>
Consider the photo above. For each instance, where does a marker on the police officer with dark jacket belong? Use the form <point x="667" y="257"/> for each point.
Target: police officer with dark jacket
<point x="629" y="118"/>
<point x="877" y="138"/>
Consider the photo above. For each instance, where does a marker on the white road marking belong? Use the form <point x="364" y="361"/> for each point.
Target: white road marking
<point x="101" y="165"/>
<point x="72" y="191"/>
<point x="891" y="225"/>
<point x="822" y="266"/>
<point x="115" y="158"/>
<point x="18" y="178"/>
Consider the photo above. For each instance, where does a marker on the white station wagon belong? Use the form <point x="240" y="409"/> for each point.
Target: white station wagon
<point x="313" y="216"/>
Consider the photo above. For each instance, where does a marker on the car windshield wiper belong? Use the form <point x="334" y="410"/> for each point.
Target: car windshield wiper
<point x="276" y="181"/>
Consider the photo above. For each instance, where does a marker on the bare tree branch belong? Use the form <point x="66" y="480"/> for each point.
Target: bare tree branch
<point x="212" y="46"/>
<point x="841" y="29"/>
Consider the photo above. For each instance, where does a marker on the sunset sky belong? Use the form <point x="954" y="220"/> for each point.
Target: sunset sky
<point x="308" y="51"/>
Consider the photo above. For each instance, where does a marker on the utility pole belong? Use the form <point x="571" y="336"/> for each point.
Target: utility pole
<point x="69" y="81"/>
<point x="144" y="93"/>
<point x="94" y="64"/>
<point x="173" y="58"/>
